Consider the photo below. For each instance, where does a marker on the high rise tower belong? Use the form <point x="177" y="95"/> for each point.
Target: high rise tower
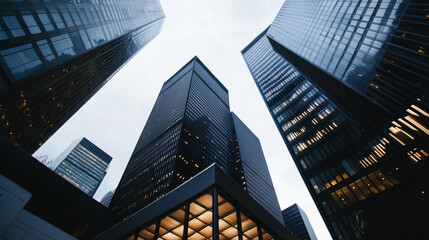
<point x="54" y="56"/>
<point x="340" y="83"/>
<point x="83" y="164"/>
<point x="297" y="221"/>
<point x="190" y="128"/>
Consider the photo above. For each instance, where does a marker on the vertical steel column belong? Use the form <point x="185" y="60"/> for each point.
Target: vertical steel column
<point x="259" y="232"/>
<point x="240" y="230"/>
<point x="185" y="224"/>
<point x="155" y="236"/>
<point x="215" y="215"/>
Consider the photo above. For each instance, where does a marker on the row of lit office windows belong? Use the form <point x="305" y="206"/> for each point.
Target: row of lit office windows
<point x="77" y="173"/>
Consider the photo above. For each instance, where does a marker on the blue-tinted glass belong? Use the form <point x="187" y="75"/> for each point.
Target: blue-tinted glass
<point x="31" y="24"/>
<point x="14" y="26"/>
<point x="3" y="34"/>
<point x="64" y="46"/>
<point x="46" y="21"/>
<point x="21" y="60"/>
<point x="57" y="19"/>
<point x="85" y="40"/>
<point x="67" y="17"/>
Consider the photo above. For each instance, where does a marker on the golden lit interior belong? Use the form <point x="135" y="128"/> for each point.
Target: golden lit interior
<point x="171" y="227"/>
<point x="200" y="223"/>
<point x="266" y="235"/>
<point x="201" y="218"/>
<point x="147" y="233"/>
<point x="249" y="228"/>
<point x="228" y="228"/>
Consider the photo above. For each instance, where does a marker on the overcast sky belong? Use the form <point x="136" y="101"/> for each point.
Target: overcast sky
<point x="215" y="31"/>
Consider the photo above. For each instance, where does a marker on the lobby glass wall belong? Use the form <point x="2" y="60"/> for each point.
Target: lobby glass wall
<point x="195" y="219"/>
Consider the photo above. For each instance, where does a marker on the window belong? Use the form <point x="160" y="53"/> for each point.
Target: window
<point x="31" y="24"/>
<point x="14" y="26"/>
<point x="44" y="18"/>
<point x="3" y="34"/>
<point x="96" y="35"/>
<point x="64" y="46"/>
<point x="21" y="60"/>
<point x="75" y="16"/>
<point x="47" y="52"/>
<point x="85" y="39"/>
<point x="67" y="17"/>
<point x="57" y="18"/>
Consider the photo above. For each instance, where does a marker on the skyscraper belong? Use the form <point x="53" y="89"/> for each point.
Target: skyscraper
<point x="339" y="79"/>
<point x="190" y="128"/>
<point x="54" y="56"/>
<point x="107" y="198"/>
<point x="297" y="222"/>
<point x="82" y="164"/>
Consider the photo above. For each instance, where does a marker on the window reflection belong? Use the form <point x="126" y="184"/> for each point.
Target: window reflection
<point x="21" y="60"/>
<point x="64" y="46"/>
<point x="31" y="24"/>
<point x="14" y="26"/>
<point x="57" y="18"/>
<point x="44" y="18"/>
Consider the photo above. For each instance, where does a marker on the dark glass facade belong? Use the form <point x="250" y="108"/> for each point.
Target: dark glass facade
<point x="362" y="150"/>
<point x="256" y="174"/>
<point x="83" y="164"/>
<point x="297" y="222"/>
<point x="344" y="38"/>
<point x="189" y="129"/>
<point x="55" y="55"/>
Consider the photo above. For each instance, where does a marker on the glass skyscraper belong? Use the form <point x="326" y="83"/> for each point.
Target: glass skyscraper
<point x="190" y="128"/>
<point x="107" y="198"/>
<point x="346" y="84"/>
<point x="55" y="55"/>
<point x="83" y="164"/>
<point x="297" y="222"/>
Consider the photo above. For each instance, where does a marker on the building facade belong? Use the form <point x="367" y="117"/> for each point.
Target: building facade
<point x="339" y="79"/>
<point x="83" y="164"/>
<point x="297" y="222"/>
<point x="208" y="206"/>
<point x="54" y="56"/>
<point x="190" y="128"/>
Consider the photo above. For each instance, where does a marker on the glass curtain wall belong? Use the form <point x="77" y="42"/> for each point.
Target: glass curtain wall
<point x="195" y="219"/>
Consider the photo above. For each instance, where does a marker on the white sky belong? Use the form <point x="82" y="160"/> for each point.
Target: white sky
<point x="215" y="31"/>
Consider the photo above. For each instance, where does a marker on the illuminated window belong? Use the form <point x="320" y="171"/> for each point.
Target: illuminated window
<point x="200" y="223"/>
<point x="228" y="228"/>
<point x="266" y="235"/>
<point x="201" y="218"/>
<point x="249" y="228"/>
